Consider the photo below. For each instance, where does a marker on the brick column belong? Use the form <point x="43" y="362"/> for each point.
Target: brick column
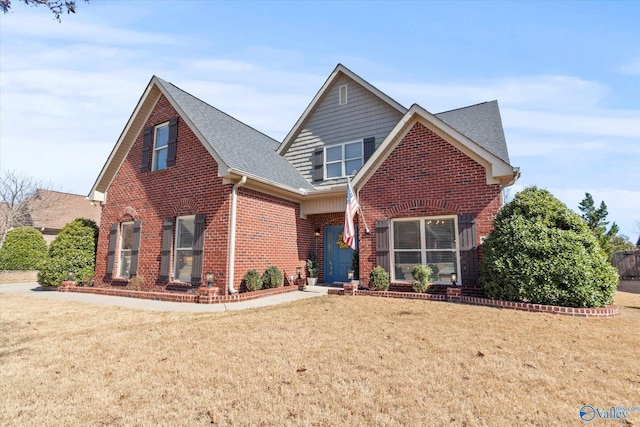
<point x="350" y="288"/>
<point x="454" y="293"/>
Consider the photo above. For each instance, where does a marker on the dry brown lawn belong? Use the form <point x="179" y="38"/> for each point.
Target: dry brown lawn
<point x="357" y="361"/>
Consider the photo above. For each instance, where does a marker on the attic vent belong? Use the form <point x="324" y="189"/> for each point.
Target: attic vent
<point x="343" y="94"/>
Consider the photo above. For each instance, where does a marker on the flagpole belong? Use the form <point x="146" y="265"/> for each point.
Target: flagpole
<point x="366" y="227"/>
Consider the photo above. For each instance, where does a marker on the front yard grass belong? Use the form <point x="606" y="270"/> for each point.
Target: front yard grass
<point x="324" y="361"/>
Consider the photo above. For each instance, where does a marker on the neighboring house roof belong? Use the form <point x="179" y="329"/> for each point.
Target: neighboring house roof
<point x="54" y="209"/>
<point x="480" y="123"/>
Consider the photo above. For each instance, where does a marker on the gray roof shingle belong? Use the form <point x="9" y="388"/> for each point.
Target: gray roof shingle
<point x="482" y="124"/>
<point x="240" y="146"/>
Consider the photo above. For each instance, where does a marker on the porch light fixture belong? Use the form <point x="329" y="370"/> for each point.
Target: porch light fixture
<point x="209" y="278"/>
<point x="298" y="270"/>
<point x="454" y="279"/>
<point x="70" y="276"/>
<point x="350" y="275"/>
<point x="317" y="232"/>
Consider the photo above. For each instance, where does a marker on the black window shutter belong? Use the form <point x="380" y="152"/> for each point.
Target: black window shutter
<point x="135" y="249"/>
<point x="318" y="164"/>
<point x="111" y="255"/>
<point x="165" y="254"/>
<point x="147" y="146"/>
<point x="172" y="145"/>
<point x="369" y="147"/>
<point x="198" y="246"/>
<point x="383" y="256"/>
<point x="469" y="264"/>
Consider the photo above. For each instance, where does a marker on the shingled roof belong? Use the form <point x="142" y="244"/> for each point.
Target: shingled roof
<point x="482" y="124"/>
<point x="240" y="147"/>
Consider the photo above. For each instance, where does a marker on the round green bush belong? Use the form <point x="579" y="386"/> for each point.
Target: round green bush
<point x="272" y="277"/>
<point x="24" y="248"/>
<point x="421" y="275"/>
<point x="252" y="280"/>
<point x="541" y="252"/>
<point x="378" y="279"/>
<point x="73" y="250"/>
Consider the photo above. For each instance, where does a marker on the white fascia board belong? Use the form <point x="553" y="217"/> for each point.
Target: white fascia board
<point x="125" y="141"/>
<point x="277" y="189"/>
<point x="296" y="127"/>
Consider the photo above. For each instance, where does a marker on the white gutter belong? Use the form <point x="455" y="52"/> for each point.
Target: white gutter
<point x="232" y="232"/>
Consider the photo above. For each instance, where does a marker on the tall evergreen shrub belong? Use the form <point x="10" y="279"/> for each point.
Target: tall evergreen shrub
<point x="541" y="252"/>
<point x="24" y="248"/>
<point x="74" y="249"/>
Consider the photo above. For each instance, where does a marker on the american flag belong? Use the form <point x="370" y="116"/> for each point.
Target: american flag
<point x="349" y="235"/>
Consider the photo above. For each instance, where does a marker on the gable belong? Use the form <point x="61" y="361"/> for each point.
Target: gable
<point x="347" y="109"/>
<point x="237" y="149"/>
<point x="497" y="171"/>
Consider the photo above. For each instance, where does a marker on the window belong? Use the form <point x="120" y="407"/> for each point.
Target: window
<point x="126" y="246"/>
<point x="343" y="160"/>
<point x="429" y="241"/>
<point x="185" y="232"/>
<point x="342" y="94"/>
<point x="160" y="147"/>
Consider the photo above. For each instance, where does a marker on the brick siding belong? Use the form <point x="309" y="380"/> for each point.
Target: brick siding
<point x="425" y="176"/>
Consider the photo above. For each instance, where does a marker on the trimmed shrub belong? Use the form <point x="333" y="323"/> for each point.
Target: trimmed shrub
<point x="272" y="277"/>
<point x="421" y="274"/>
<point x="541" y="252"/>
<point x="312" y="265"/>
<point x="24" y="248"/>
<point x="73" y="250"/>
<point x="378" y="279"/>
<point x="252" y="280"/>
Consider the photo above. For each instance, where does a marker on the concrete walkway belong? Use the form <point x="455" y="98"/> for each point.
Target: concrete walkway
<point x="32" y="289"/>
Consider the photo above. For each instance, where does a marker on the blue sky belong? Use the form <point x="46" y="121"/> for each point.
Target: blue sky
<point x="566" y="76"/>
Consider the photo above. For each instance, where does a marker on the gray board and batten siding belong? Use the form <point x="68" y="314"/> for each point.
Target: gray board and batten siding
<point x="363" y="116"/>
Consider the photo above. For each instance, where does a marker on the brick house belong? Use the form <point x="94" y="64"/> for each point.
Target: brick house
<point x="188" y="189"/>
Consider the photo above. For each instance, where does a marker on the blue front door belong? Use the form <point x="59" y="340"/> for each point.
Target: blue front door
<point x="337" y="259"/>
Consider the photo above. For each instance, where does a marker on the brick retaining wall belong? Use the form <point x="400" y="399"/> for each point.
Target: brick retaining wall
<point x="202" y="298"/>
<point x="610" y="311"/>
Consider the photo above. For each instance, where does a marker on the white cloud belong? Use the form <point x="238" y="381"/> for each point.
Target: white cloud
<point x="632" y="68"/>
<point x="548" y="92"/>
<point x="41" y="26"/>
<point x="619" y="123"/>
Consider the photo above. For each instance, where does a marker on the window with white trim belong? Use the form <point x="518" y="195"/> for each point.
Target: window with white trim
<point x="161" y="147"/>
<point x="126" y="246"/>
<point x="343" y="159"/>
<point x="428" y="241"/>
<point x="183" y="254"/>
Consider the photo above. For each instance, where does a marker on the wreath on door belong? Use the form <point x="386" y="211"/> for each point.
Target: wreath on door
<point x="340" y="242"/>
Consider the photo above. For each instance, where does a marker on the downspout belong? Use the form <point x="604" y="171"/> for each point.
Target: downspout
<point x="232" y="232"/>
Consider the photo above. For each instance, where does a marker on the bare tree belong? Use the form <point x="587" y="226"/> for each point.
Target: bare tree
<point x="19" y="196"/>
<point x="57" y="7"/>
